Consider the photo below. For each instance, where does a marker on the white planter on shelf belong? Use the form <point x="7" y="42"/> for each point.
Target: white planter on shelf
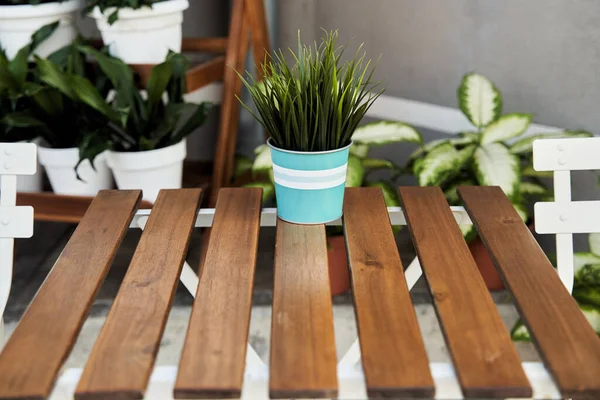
<point x="60" y="167"/>
<point x="17" y="24"/>
<point x="150" y="170"/>
<point x="144" y="35"/>
<point x="31" y="183"/>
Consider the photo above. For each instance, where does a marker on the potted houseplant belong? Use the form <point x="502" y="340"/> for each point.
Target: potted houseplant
<point x="359" y="173"/>
<point x="20" y="18"/>
<point x="492" y="154"/>
<point x="147" y="130"/>
<point x="139" y="31"/>
<point x="310" y="112"/>
<point x="586" y="288"/>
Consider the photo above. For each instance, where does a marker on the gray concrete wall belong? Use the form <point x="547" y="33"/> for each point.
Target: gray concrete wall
<point x="544" y="55"/>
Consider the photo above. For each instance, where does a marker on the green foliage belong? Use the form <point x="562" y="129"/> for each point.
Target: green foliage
<point x="487" y="155"/>
<point x="318" y="103"/>
<point x="135" y="122"/>
<point x="115" y="5"/>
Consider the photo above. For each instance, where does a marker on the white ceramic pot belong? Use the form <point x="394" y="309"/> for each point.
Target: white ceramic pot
<point x="32" y="183"/>
<point x="149" y="171"/>
<point x="17" y="23"/>
<point x="144" y="35"/>
<point x="60" y="167"/>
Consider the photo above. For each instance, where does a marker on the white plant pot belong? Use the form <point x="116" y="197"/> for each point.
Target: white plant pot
<point x="17" y="24"/>
<point x="60" y="167"/>
<point x="32" y="183"/>
<point x="145" y="35"/>
<point x="149" y="171"/>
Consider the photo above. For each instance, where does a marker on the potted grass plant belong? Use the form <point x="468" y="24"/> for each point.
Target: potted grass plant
<point x="493" y="153"/>
<point x="147" y="130"/>
<point x="139" y="31"/>
<point x="360" y="173"/>
<point x="20" y="18"/>
<point x="310" y="111"/>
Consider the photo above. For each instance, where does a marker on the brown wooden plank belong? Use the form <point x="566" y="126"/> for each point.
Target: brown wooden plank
<point x="46" y="334"/>
<point x="393" y="354"/>
<point x="201" y="75"/>
<point x="487" y="363"/>
<point x="257" y="23"/>
<point x="204" y="44"/>
<point x="123" y="356"/>
<point x="214" y="354"/>
<point x="303" y="357"/>
<point x="60" y="208"/>
<point x="566" y="341"/>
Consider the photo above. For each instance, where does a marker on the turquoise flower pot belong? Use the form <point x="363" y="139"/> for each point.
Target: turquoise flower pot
<point x="309" y="186"/>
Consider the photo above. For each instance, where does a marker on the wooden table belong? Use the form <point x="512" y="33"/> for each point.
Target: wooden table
<point x="216" y="361"/>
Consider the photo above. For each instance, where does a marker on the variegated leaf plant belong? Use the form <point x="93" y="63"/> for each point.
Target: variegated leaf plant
<point x="492" y="153"/>
<point x="360" y="165"/>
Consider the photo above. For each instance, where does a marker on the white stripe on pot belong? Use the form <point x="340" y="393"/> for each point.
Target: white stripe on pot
<point x="310" y="185"/>
<point x="316" y="174"/>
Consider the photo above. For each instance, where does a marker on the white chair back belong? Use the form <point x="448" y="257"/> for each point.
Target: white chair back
<point x="15" y="222"/>
<point x="564" y="217"/>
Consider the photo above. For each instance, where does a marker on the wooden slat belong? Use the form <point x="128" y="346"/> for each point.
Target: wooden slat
<point x="60" y="208"/>
<point x="214" y="354"/>
<point x="204" y="44"/>
<point x="566" y="341"/>
<point x="393" y="354"/>
<point x="303" y="357"/>
<point x="46" y="334"/>
<point x="487" y="363"/>
<point x="201" y="75"/>
<point x="123" y="356"/>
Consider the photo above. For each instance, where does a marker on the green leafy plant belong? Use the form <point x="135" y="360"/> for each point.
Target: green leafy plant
<point x="360" y="166"/>
<point x="30" y="2"/>
<point x="115" y="5"/>
<point x="491" y="154"/>
<point x="586" y="288"/>
<point x="318" y="103"/>
<point x="137" y="122"/>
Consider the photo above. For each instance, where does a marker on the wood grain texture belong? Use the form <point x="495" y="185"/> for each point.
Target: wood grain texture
<point x="121" y="361"/>
<point x="235" y="58"/>
<point x="257" y="21"/>
<point x="201" y="75"/>
<point x="566" y="341"/>
<point x="205" y="44"/>
<point x="214" y="353"/>
<point x="60" y="208"/>
<point x="303" y="357"/>
<point x="47" y="332"/>
<point x="486" y="362"/>
<point x="393" y="354"/>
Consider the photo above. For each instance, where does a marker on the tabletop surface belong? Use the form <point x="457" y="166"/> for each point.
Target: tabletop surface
<point x="303" y="358"/>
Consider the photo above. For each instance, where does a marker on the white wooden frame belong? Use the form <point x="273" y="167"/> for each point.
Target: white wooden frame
<point x="15" y="222"/>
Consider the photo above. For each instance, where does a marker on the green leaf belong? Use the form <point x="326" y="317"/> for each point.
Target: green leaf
<point x="262" y="161"/>
<point x="442" y="163"/>
<point x="359" y="150"/>
<point x="473" y="137"/>
<point x="495" y="165"/>
<point x="525" y="145"/>
<point x="390" y="195"/>
<point x="243" y="165"/>
<point x="376" y="163"/>
<point x="51" y="101"/>
<point x="7" y="80"/>
<point x="589" y="295"/>
<point x="479" y="99"/>
<point x="529" y="171"/>
<point x="87" y="93"/>
<point x="157" y="84"/>
<point x="581" y="259"/>
<point x="268" y="190"/>
<point x="594" y="241"/>
<point x="20" y="119"/>
<point x="42" y="34"/>
<point x="355" y="172"/>
<point x="54" y="77"/>
<point x="469" y="232"/>
<point x="192" y="116"/>
<point x="532" y="189"/>
<point x="522" y="211"/>
<point x="589" y="275"/>
<point x="592" y="314"/>
<point x="385" y="132"/>
<point x="519" y="332"/>
<point x="506" y="127"/>
<point x="451" y="193"/>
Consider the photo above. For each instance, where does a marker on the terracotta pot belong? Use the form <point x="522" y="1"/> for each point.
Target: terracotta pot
<point x="488" y="271"/>
<point x="339" y="277"/>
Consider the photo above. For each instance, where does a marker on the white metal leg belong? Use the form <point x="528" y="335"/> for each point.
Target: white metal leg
<point x="564" y="241"/>
<point x="8" y="197"/>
